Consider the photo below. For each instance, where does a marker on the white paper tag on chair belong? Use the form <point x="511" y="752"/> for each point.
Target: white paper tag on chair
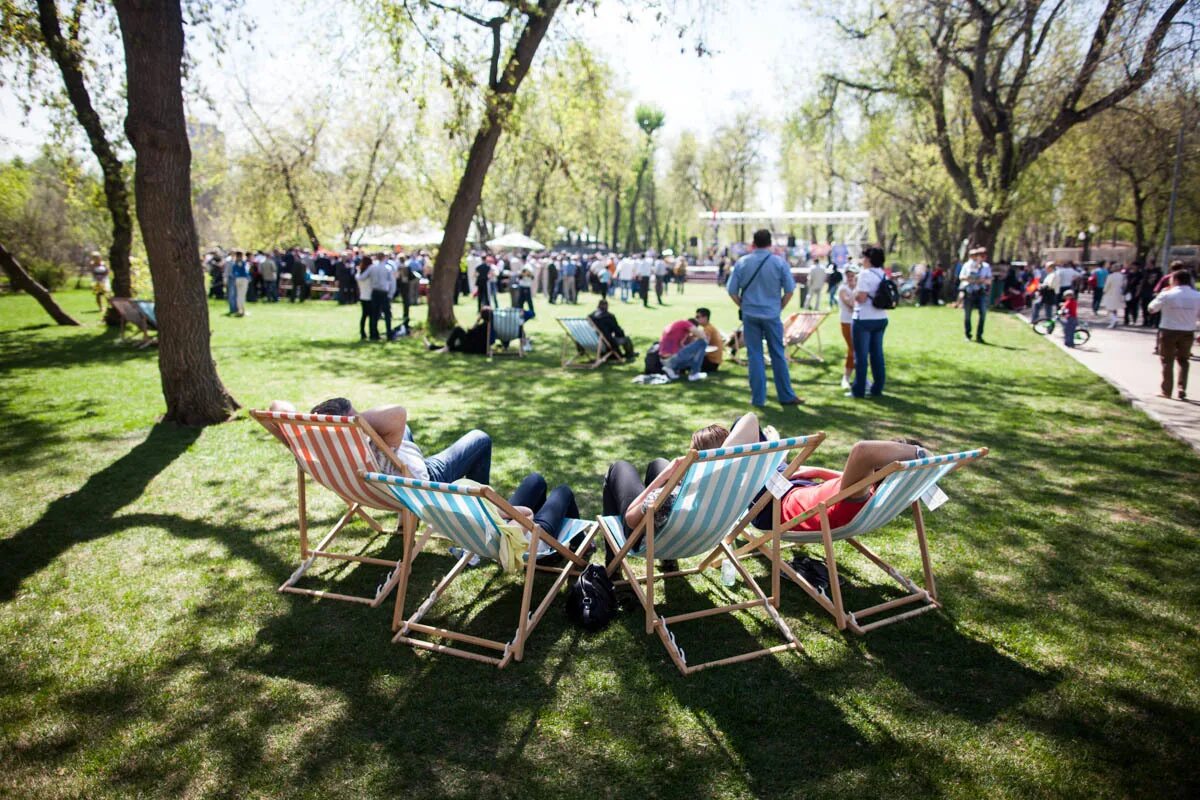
<point x="778" y="485"/>
<point x="934" y="497"/>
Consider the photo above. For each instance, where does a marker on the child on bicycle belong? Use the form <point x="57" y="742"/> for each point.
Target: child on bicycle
<point x="1069" y="311"/>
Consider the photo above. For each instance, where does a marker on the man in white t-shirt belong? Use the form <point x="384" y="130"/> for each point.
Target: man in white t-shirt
<point x="625" y="269"/>
<point x="470" y="457"/>
<point x="815" y="285"/>
<point x="868" y="326"/>
<point x="644" y="271"/>
<point x="1180" y="309"/>
<point x="975" y="286"/>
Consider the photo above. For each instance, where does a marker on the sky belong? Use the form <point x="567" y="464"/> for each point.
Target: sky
<point x="763" y="53"/>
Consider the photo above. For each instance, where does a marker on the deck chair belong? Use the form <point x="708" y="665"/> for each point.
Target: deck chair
<point x="332" y="451"/>
<point x="716" y="487"/>
<point x="460" y="514"/>
<point x="139" y="314"/>
<point x="797" y="330"/>
<point x="506" y="327"/>
<point x="582" y="334"/>
<point x="901" y="485"/>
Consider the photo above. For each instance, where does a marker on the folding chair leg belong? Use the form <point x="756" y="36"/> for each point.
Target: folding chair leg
<point x="919" y="520"/>
<point x="839" y="610"/>
<point x="526" y="594"/>
<point x="406" y="524"/>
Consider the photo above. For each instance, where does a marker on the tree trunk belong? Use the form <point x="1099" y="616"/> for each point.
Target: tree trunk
<point x="152" y="33"/>
<point x="616" y="222"/>
<point x="24" y="281"/>
<point x="631" y="235"/>
<point x="116" y="194"/>
<point x="479" y="159"/>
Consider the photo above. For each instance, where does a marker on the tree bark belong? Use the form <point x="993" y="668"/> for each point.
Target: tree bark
<point x="116" y="193"/>
<point x="24" y="281"/>
<point x="152" y="34"/>
<point x="500" y="97"/>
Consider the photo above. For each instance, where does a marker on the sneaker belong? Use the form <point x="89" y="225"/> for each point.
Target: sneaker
<point x="697" y="376"/>
<point x="671" y="374"/>
<point x="845" y="381"/>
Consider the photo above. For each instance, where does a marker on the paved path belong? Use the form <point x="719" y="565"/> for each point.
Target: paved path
<point x="1125" y="358"/>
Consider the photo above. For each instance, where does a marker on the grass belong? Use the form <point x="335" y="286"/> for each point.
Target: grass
<point x="143" y="651"/>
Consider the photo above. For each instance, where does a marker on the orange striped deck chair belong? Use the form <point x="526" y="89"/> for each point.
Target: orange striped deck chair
<point x="798" y="328"/>
<point x="332" y="451"/>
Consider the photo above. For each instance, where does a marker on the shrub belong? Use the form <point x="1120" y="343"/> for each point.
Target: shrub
<point x="49" y="274"/>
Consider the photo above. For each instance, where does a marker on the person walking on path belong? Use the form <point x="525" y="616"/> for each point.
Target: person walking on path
<point x="1113" y="299"/>
<point x="868" y="327"/>
<point x="761" y="286"/>
<point x="1178" y="309"/>
<point x="1100" y="276"/>
<point x="816" y="286"/>
<point x="975" y="282"/>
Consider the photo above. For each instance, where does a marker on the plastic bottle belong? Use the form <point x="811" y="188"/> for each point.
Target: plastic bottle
<point x="728" y="573"/>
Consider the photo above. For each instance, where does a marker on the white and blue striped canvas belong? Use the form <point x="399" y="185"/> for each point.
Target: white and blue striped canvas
<point x="894" y="494"/>
<point x="506" y="323"/>
<point x="448" y="509"/>
<point x="582" y="331"/>
<point x="713" y="495"/>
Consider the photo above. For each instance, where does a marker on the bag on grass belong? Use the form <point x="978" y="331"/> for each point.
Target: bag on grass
<point x="654" y="365"/>
<point x="592" y="600"/>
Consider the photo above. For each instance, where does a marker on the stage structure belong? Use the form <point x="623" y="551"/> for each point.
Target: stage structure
<point x="851" y="228"/>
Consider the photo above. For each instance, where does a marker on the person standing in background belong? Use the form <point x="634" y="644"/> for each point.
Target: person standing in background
<point x="1178" y="310"/>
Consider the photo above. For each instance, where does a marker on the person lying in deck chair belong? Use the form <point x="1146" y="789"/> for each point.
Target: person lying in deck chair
<point x="470" y="457"/>
<point x="606" y="321"/>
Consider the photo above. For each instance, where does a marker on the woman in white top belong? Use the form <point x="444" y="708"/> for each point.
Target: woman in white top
<point x="868" y="326"/>
<point x="1113" y="299"/>
<point x="364" y="295"/>
<point x="845" y="301"/>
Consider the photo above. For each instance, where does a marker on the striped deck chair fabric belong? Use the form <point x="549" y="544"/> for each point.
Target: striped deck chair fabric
<point x="582" y="333"/>
<point x="902" y="488"/>
<point x="798" y="329"/>
<point x="467" y="516"/>
<point x="333" y="450"/>
<point x="714" y="499"/>
<point x="506" y="328"/>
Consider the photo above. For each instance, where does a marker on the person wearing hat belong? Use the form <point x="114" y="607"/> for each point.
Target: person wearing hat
<point x="1070" y="317"/>
<point x="975" y="286"/>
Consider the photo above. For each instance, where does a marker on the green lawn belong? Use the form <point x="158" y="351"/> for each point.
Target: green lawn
<point x="144" y="651"/>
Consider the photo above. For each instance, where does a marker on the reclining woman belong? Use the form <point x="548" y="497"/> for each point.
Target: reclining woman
<point x="469" y="457"/>
<point x="625" y="494"/>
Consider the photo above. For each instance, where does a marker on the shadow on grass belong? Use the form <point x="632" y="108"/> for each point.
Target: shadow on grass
<point x="90" y="512"/>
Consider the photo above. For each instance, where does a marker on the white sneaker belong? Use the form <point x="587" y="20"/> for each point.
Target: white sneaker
<point x="697" y="376"/>
<point x="845" y="381"/>
<point x="670" y="373"/>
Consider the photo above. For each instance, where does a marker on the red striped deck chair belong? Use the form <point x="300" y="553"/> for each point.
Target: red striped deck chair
<point x="798" y="328"/>
<point x="332" y="451"/>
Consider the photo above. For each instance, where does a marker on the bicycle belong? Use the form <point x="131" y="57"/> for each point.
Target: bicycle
<point x="1045" y="327"/>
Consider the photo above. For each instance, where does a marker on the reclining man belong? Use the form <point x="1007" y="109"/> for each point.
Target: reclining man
<point x="470" y="457"/>
<point x="607" y="323"/>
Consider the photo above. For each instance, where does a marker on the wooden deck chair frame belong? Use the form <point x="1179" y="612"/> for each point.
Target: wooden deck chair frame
<point x="797" y="347"/>
<point x="513" y="650"/>
<point x="492" y="350"/>
<point x="405" y="526"/>
<point x="643" y="585"/>
<point x="925" y="595"/>
<point x="571" y="357"/>
<point x="130" y="314"/>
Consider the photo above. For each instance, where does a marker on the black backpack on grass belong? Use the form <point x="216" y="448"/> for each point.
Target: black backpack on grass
<point x="592" y="600"/>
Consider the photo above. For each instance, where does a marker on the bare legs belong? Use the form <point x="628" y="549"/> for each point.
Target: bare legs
<point x="868" y="456"/>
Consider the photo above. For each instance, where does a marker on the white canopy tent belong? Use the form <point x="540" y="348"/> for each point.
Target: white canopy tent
<point x="403" y="235"/>
<point x="852" y="228"/>
<point x="515" y="241"/>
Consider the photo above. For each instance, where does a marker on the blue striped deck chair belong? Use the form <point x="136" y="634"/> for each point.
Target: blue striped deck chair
<point x="460" y="514"/>
<point x="583" y="335"/>
<point x="506" y="328"/>
<point x="899" y="486"/>
<point x="331" y="450"/>
<point x="718" y="495"/>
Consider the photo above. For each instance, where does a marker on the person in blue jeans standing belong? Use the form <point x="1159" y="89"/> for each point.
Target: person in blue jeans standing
<point x="761" y="285"/>
<point x="469" y="457"/>
<point x="867" y="328"/>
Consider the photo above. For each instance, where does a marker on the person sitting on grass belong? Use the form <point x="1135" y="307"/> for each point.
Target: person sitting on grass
<point x="682" y="348"/>
<point x="470" y="457"/>
<point x="473" y="341"/>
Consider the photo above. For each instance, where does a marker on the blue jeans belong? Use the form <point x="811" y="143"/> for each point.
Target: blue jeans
<point x="754" y="330"/>
<point x="381" y="306"/>
<point x="971" y="301"/>
<point x="549" y="508"/>
<point x="1069" y="325"/>
<point x="272" y="287"/>
<point x="868" y="345"/>
<point x="470" y="457"/>
<point x="231" y="294"/>
<point x="690" y="357"/>
<point x="625" y="290"/>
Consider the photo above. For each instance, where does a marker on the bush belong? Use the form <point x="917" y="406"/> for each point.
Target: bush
<point x="52" y="276"/>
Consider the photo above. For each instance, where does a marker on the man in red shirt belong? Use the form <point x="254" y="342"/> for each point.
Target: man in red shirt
<point x="682" y="347"/>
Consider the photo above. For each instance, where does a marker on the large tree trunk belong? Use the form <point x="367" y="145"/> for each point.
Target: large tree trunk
<point x="631" y="235"/>
<point x="116" y="194"/>
<point x="152" y="33"/>
<point x="24" y="281"/>
<point x="470" y="187"/>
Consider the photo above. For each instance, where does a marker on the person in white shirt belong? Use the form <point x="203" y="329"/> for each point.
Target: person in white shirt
<point x="868" y="326"/>
<point x="645" y="270"/>
<point x="1113" y="300"/>
<point x="383" y="286"/>
<point x="975" y="287"/>
<point x="660" y="278"/>
<point x="845" y="301"/>
<point x="625" y="270"/>
<point x="1180" y="309"/>
<point x="1067" y="275"/>
<point x="816" y="286"/>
